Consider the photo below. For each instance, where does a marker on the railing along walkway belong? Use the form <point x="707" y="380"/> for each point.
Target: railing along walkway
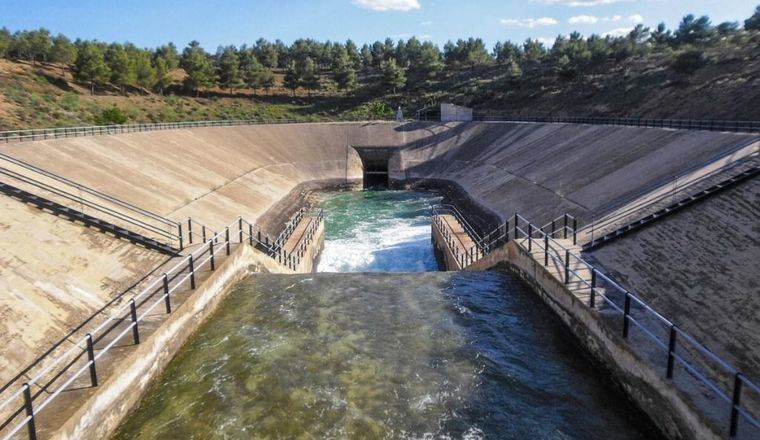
<point x="70" y="132"/>
<point x="26" y="179"/>
<point x="727" y="399"/>
<point x="45" y="394"/>
<point x="670" y="196"/>
<point x="676" y="124"/>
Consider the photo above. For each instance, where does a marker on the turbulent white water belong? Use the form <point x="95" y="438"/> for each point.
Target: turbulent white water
<point x="377" y="231"/>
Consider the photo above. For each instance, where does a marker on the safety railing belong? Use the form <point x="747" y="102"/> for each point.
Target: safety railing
<point x="292" y="256"/>
<point x="56" y="376"/>
<point x="78" y="197"/>
<point x="288" y="229"/>
<point x="679" y="124"/>
<point x="564" y="226"/>
<point x="463" y="252"/>
<point x="68" y="132"/>
<point x="720" y="392"/>
<point x="664" y="193"/>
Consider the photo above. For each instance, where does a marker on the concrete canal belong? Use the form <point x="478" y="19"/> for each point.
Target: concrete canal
<point x="383" y="355"/>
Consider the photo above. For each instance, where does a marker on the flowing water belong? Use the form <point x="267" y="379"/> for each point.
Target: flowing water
<point x="417" y="356"/>
<point x="377" y="231"/>
<point x="382" y="355"/>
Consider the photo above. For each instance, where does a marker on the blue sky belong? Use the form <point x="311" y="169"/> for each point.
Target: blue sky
<point x="152" y="22"/>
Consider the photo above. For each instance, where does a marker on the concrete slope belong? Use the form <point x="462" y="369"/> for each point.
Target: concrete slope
<point x="700" y="268"/>
<point x="214" y="174"/>
<point x="544" y="170"/>
<point x="53" y="275"/>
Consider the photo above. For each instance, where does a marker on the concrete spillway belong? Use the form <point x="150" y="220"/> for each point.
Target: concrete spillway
<point x="264" y="173"/>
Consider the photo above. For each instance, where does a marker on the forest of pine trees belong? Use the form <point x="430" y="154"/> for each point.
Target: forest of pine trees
<point x="308" y="64"/>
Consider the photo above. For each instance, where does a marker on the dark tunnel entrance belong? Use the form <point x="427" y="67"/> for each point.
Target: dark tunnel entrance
<point x="375" y="165"/>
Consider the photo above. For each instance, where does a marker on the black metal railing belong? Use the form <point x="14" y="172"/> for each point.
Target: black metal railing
<point x="87" y="200"/>
<point x="679" y="124"/>
<point x="670" y="190"/>
<point x="463" y="253"/>
<point x="21" y="403"/>
<point x="45" y="385"/>
<point x="564" y="226"/>
<point x="70" y="132"/>
<point x="733" y="399"/>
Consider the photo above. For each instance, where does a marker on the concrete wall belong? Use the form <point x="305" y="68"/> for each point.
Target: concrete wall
<point x="452" y="113"/>
<point x="699" y="267"/>
<point x="104" y="411"/>
<point x="211" y="174"/>
<point x="545" y="170"/>
<point x="54" y="274"/>
<point x="658" y="398"/>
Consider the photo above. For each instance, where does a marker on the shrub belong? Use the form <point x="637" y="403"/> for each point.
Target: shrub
<point x="111" y="116"/>
<point x="689" y="62"/>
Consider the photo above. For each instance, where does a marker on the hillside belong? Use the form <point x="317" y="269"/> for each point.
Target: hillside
<point x="725" y="86"/>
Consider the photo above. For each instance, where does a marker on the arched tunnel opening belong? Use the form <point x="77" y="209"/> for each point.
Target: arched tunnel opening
<point x="375" y="165"/>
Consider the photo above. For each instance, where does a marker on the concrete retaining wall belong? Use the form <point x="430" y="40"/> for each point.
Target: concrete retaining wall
<point x="659" y="399"/>
<point x="103" y="412"/>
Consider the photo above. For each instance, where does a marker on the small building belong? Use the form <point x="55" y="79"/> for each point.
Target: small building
<point x="455" y="113"/>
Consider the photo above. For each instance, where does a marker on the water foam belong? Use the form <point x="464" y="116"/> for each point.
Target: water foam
<point x="378" y="232"/>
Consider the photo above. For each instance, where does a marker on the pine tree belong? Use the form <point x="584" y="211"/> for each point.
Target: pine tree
<point x="309" y="77"/>
<point x="169" y="53"/>
<point x="163" y="79"/>
<point x="514" y="72"/>
<point x="393" y="76"/>
<point x="753" y="23"/>
<point x="345" y="75"/>
<point x="429" y="63"/>
<point x="267" y="79"/>
<point x="122" y="69"/>
<point x="229" y="69"/>
<point x="366" y="57"/>
<point x="145" y="73"/>
<point x="199" y="69"/>
<point x="5" y="42"/>
<point x="292" y="79"/>
<point x="252" y="71"/>
<point x="63" y="51"/>
<point x="91" y="66"/>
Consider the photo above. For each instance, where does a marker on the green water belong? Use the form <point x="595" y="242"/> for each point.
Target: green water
<point x="382" y="356"/>
<point x="378" y="231"/>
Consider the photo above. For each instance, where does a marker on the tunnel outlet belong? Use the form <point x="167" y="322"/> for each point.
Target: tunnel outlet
<point x="375" y="165"/>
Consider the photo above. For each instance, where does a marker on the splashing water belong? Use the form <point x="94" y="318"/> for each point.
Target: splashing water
<point x="378" y="231"/>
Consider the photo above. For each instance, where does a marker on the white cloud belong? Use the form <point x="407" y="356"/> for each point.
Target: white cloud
<point x="619" y="32"/>
<point x="583" y="19"/>
<point x="388" y="5"/>
<point x="546" y="41"/>
<point x="426" y="23"/>
<point x="593" y="19"/>
<point x="529" y="22"/>
<point x="576" y="3"/>
<point x="636" y="18"/>
<point x="425" y="37"/>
